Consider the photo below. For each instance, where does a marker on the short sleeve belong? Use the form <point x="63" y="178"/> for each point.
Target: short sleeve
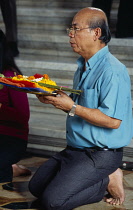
<point x="114" y="94"/>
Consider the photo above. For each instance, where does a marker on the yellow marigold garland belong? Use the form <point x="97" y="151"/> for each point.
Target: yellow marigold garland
<point x="36" y="80"/>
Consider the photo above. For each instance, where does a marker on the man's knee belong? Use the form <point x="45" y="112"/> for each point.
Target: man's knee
<point x="52" y="202"/>
<point x="32" y="188"/>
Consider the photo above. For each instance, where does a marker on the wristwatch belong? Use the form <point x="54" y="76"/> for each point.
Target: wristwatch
<point x="72" y="111"/>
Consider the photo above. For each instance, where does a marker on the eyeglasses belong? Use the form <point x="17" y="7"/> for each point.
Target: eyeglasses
<point x="70" y="30"/>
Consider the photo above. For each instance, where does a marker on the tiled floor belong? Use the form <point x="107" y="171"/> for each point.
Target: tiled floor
<point x="18" y="196"/>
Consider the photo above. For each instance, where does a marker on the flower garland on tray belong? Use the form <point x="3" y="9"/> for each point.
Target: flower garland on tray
<point x="36" y="81"/>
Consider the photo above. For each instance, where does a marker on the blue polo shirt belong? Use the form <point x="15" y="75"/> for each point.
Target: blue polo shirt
<point x="105" y="86"/>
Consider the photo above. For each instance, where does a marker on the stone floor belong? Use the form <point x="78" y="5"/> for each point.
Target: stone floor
<point x="17" y="196"/>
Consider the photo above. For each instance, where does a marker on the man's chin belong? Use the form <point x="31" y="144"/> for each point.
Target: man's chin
<point x="75" y="49"/>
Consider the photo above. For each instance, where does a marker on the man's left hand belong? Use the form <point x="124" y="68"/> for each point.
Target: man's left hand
<point x="61" y="101"/>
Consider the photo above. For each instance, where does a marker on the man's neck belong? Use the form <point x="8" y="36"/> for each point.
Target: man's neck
<point x="88" y="55"/>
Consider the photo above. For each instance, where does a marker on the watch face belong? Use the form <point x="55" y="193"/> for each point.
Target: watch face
<point x="71" y="114"/>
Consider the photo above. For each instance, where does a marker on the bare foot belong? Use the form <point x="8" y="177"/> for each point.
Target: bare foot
<point x="19" y="170"/>
<point x="115" y="188"/>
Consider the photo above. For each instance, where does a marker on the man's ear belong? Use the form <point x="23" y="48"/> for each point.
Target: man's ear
<point x="97" y="33"/>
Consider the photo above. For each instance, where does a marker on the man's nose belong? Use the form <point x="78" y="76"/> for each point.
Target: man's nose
<point x="72" y="33"/>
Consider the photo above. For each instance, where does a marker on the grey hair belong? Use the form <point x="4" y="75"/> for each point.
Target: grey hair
<point x="103" y="25"/>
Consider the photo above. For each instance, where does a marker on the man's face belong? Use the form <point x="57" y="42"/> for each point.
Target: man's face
<point x="81" y="36"/>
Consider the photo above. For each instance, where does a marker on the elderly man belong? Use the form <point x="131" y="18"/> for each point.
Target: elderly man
<point x="98" y="123"/>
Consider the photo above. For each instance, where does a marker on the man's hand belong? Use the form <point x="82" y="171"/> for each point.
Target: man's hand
<point x="61" y="101"/>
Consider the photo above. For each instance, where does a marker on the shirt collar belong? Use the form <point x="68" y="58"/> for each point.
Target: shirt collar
<point x="97" y="57"/>
<point x="92" y="61"/>
<point x="81" y="63"/>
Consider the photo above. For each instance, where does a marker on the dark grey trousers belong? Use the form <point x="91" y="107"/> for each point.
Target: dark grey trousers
<point x="73" y="178"/>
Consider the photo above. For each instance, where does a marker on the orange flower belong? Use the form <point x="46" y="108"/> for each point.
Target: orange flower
<point x="19" y="76"/>
<point x="31" y="78"/>
<point x="46" y="76"/>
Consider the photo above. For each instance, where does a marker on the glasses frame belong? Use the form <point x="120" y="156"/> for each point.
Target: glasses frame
<point x="69" y="30"/>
